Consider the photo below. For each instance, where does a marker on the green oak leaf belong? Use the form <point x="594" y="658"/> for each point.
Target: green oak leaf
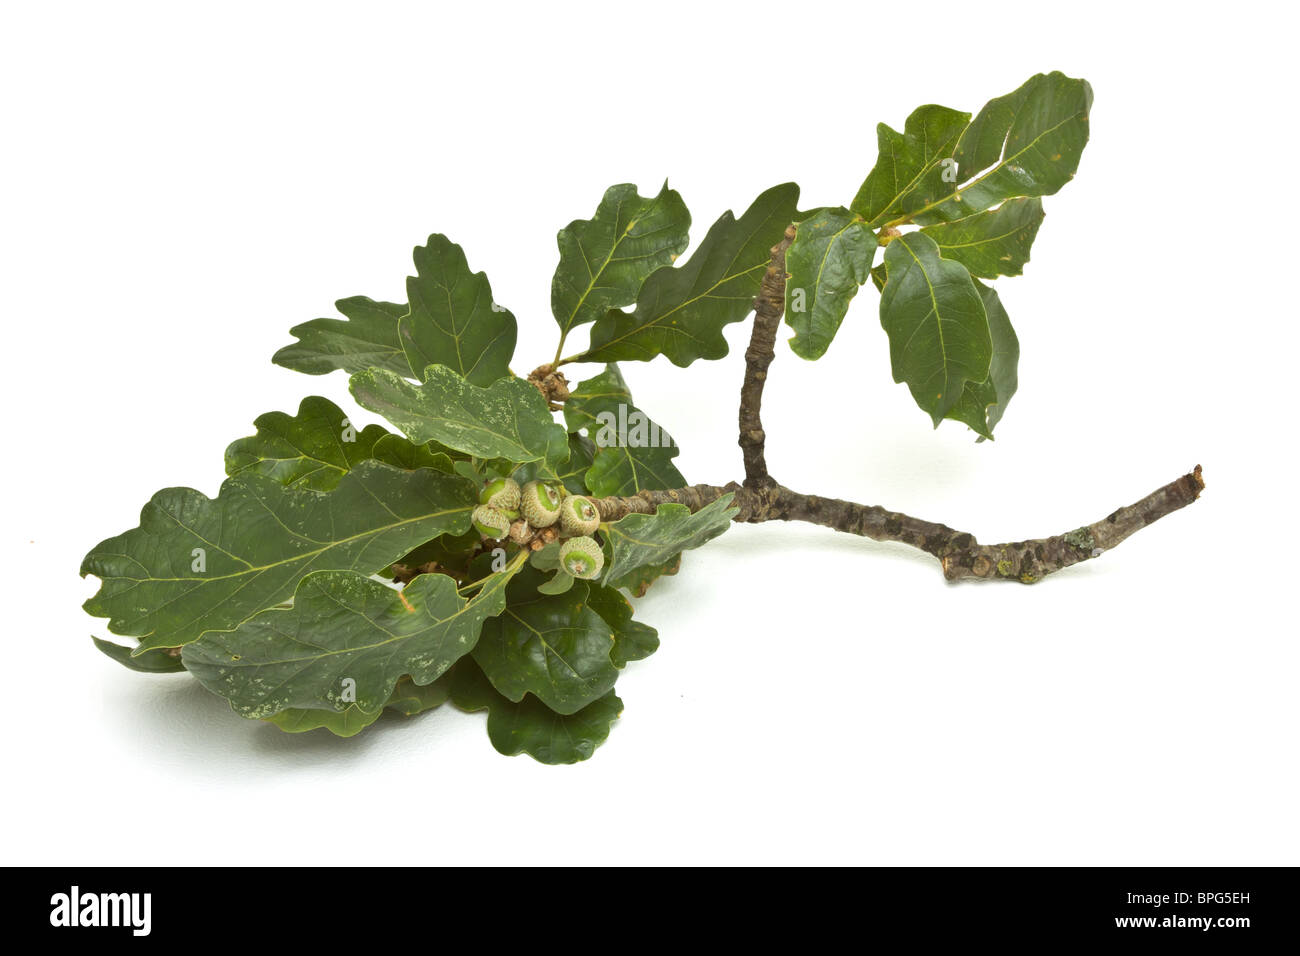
<point x="365" y="338"/>
<point x="589" y="398"/>
<point x="681" y="310"/>
<point x="347" y="640"/>
<point x="312" y="449"/>
<point x="828" y="261"/>
<point x="639" y="541"/>
<point x="344" y="723"/>
<point x="199" y="564"/>
<point x="156" y="661"/>
<point x="410" y="698"/>
<point x="934" y="316"/>
<point x="631" y="451"/>
<point x="547" y="557"/>
<point x="604" y="260"/>
<point x="452" y="319"/>
<point x="878" y="277"/>
<point x="507" y="419"/>
<point x="397" y="451"/>
<point x="906" y="159"/>
<point x="1026" y="143"/>
<point x="572" y="474"/>
<point x="982" y="404"/>
<point x="550" y="645"/>
<point x="633" y="641"/>
<point x="639" y="580"/>
<point x="529" y="726"/>
<point x="992" y="243"/>
<point x="451" y="552"/>
<point x="559" y="584"/>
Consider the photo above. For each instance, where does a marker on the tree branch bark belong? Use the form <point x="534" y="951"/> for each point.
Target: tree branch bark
<point x="769" y="305"/>
<point x="959" y="554"/>
<point x="761" y="498"/>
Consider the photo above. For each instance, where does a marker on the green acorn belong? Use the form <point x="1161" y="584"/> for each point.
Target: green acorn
<point x="540" y="504"/>
<point x="500" y="493"/>
<point x="581" y="557"/>
<point x="578" y="515"/>
<point x="490" y="522"/>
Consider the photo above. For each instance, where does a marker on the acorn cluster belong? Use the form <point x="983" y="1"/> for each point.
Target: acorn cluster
<point x="507" y="510"/>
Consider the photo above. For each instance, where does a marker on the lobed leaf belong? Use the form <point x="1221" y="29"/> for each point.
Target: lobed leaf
<point x="982" y="404"/>
<point x="1026" y="143"/>
<point x="827" y="263"/>
<point x="529" y="726"/>
<point x="553" y="646"/>
<point x="896" y="184"/>
<point x="365" y="338"/>
<point x="199" y="564"/>
<point x="641" y="541"/>
<point x="410" y="698"/>
<point x="344" y="723"/>
<point x="604" y="260"/>
<point x="453" y="320"/>
<point x="631" y="451"/>
<point x="508" y="419"/>
<point x="934" y="316"/>
<point x="397" y="451"/>
<point x="156" y="661"/>
<point x="312" y="449"/>
<point x="633" y="641"/>
<point x="572" y="474"/>
<point x="681" y="311"/>
<point x="347" y="639"/>
<point x="993" y="243"/>
<point x="639" y="580"/>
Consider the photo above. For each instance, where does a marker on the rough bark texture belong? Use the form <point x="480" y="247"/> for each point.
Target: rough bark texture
<point x="1027" y="561"/>
<point x="647" y="502"/>
<point x="959" y="554"/>
<point x="769" y="305"/>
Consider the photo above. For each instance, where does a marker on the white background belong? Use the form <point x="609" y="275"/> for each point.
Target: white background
<point x="183" y="185"/>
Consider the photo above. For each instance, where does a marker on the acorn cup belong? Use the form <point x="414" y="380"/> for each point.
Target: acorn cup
<point x="582" y="557"/>
<point x="539" y="503"/>
<point x="578" y="515"/>
<point x="500" y="493"/>
<point x="490" y="522"/>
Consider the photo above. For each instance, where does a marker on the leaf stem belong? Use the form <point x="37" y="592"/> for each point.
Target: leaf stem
<point x="515" y="563"/>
